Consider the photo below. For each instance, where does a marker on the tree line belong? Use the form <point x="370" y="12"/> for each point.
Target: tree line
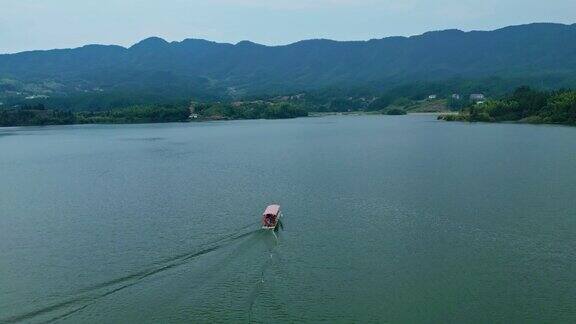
<point x="38" y="115"/>
<point x="525" y="104"/>
<point x="251" y="110"/>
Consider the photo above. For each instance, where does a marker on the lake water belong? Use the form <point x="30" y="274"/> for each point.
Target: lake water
<point x="387" y="218"/>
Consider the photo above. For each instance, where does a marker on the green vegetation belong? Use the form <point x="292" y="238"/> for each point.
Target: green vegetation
<point x="395" y="111"/>
<point x="411" y="97"/>
<point x="429" y="105"/>
<point x="403" y="105"/>
<point x="250" y="110"/>
<point x="135" y="115"/>
<point x="523" y="105"/>
<point x="38" y="115"/>
<point x="154" y="71"/>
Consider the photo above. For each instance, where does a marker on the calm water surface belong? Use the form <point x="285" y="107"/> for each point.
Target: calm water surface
<point x="397" y="219"/>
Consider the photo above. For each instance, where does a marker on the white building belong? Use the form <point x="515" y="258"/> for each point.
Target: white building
<point x="432" y="96"/>
<point x="192" y="108"/>
<point x="477" y="97"/>
<point x="36" y="97"/>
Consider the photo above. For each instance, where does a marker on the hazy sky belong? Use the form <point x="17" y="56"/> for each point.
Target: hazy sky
<point x="45" y="24"/>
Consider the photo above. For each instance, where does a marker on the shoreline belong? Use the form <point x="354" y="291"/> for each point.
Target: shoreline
<point x="212" y="119"/>
<point x="219" y="119"/>
<point x="508" y="122"/>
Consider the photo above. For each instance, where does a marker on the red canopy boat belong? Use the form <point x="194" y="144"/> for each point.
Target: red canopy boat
<point x="271" y="216"/>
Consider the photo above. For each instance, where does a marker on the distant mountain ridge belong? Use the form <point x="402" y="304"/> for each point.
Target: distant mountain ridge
<point x="196" y="67"/>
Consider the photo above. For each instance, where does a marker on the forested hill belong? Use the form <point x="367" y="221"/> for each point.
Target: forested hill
<point x="544" y="52"/>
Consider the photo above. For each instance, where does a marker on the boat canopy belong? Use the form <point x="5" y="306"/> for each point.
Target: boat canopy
<point x="272" y="210"/>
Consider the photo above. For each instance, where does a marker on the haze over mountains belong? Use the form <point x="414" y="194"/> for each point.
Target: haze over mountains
<point x="543" y="53"/>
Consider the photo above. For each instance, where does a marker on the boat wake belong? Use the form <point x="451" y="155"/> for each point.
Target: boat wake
<point x="91" y="294"/>
<point x="268" y="262"/>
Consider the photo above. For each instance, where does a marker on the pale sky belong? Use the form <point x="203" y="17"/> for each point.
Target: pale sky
<point x="47" y="24"/>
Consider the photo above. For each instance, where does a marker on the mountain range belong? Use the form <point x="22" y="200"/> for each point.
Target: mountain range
<point x="540" y="52"/>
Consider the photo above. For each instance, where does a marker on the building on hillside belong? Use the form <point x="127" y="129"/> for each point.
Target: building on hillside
<point x="32" y="97"/>
<point x="432" y="96"/>
<point x="477" y="97"/>
<point x="456" y="96"/>
<point x="192" y="108"/>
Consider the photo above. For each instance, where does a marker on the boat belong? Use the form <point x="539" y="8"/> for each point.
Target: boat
<point x="271" y="217"/>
